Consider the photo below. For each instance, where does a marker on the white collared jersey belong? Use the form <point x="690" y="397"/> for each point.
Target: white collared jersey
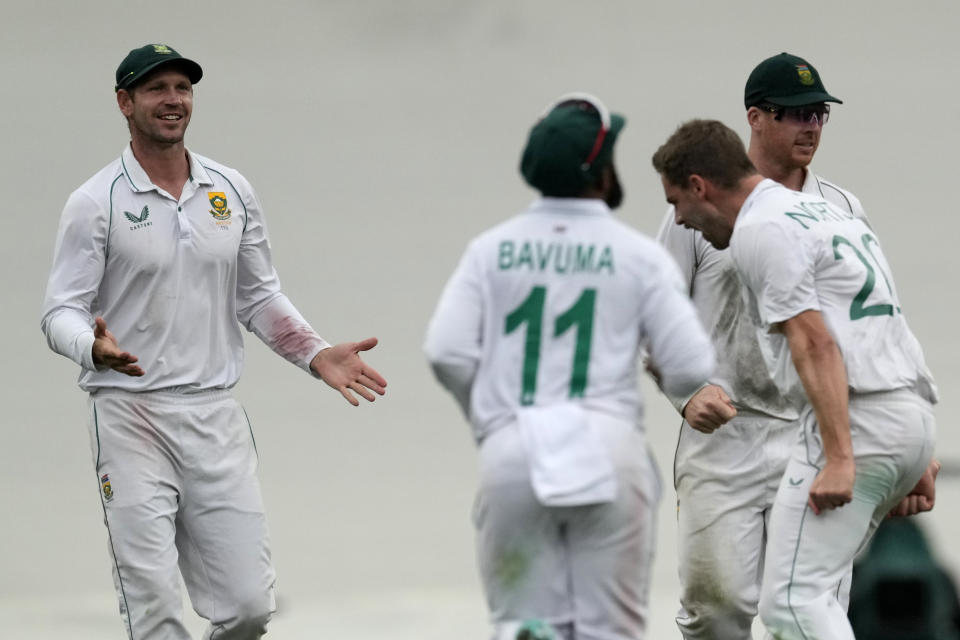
<point x="797" y="253"/>
<point x="172" y="279"/>
<point x="554" y="305"/>
<point x="716" y="290"/>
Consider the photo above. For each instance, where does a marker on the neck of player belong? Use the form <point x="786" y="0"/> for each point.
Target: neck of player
<point x="790" y="176"/>
<point x="167" y="165"/>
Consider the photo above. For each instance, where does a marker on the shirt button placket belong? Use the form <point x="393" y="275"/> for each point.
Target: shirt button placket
<point x="183" y="223"/>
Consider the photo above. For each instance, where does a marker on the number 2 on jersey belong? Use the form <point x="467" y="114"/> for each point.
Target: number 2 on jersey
<point x="857" y="308"/>
<point x="530" y="312"/>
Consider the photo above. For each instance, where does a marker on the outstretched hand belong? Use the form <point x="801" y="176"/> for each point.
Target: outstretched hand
<point x="922" y="497"/>
<point x="340" y="367"/>
<point x="107" y="353"/>
<point x="709" y="409"/>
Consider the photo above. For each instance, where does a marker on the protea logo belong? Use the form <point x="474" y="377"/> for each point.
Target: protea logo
<point x="218" y="200"/>
<point x="141" y="220"/>
<point x="106" y="487"/>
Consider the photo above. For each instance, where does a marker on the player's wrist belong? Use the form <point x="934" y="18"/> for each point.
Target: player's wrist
<point x="840" y="459"/>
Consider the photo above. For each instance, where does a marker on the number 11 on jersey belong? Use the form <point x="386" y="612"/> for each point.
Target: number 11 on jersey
<point x="530" y="312"/>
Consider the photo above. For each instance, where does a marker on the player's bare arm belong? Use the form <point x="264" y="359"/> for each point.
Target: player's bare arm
<point x="819" y="363"/>
<point x="107" y="352"/>
<point x="340" y="367"/>
<point x="923" y="496"/>
<point x="709" y="409"/>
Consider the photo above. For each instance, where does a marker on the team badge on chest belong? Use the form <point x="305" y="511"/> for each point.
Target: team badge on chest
<point x="218" y="200"/>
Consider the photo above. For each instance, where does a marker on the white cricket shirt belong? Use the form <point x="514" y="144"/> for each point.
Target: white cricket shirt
<point x="174" y="280"/>
<point x="555" y="304"/>
<point x="796" y="253"/>
<point x="717" y="293"/>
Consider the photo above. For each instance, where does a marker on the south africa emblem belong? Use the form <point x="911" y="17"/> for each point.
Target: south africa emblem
<point x="806" y="76"/>
<point x="218" y="200"/>
<point x="105" y="486"/>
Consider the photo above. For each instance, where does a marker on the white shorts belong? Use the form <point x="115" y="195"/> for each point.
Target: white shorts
<point x="176" y="474"/>
<point x="807" y="555"/>
<point x="585" y="568"/>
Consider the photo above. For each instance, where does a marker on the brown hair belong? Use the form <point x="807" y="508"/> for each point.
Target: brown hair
<point x="707" y="148"/>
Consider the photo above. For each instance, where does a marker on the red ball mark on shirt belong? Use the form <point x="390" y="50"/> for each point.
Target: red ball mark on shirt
<point x="293" y="339"/>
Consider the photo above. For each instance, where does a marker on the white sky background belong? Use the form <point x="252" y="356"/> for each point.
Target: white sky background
<point x="381" y="136"/>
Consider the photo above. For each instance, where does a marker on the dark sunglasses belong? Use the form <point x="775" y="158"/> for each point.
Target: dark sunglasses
<point x="807" y="114"/>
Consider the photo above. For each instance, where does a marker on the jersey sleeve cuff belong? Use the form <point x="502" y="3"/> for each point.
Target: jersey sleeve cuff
<point x="321" y="345"/>
<point x="680" y="402"/>
<point x="84" y="347"/>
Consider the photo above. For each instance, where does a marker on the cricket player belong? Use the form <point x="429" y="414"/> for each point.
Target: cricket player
<point x="819" y="287"/>
<point x="537" y="336"/>
<point x="726" y="477"/>
<point x="160" y="258"/>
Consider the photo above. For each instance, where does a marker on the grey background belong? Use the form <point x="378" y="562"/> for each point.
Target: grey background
<point x="381" y="136"/>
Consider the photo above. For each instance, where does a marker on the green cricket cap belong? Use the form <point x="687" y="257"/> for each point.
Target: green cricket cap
<point x="786" y="81"/>
<point x="569" y="146"/>
<point x="140" y="62"/>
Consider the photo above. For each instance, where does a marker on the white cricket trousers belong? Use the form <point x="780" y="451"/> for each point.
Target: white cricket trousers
<point x="177" y="477"/>
<point x="807" y="555"/>
<point x="583" y="569"/>
<point x="726" y="483"/>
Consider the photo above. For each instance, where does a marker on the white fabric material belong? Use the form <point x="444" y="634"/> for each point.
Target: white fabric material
<point x="726" y="481"/>
<point x="834" y="265"/>
<point x="808" y="555"/>
<point x="717" y="292"/>
<point x="584" y="567"/>
<point x="174" y="280"/>
<point x="167" y="518"/>
<point x="537" y="334"/>
<point x="725" y="488"/>
<point x="567" y="247"/>
<point x="569" y="464"/>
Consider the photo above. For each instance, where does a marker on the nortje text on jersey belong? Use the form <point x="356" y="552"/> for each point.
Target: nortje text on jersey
<point x="558" y="257"/>
<point x="818" y="212"/>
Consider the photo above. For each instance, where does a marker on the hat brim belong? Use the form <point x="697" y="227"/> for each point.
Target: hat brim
<point x="193" y="70"/>
<point x="802" y="99"/>
<point x="617" y="122"/>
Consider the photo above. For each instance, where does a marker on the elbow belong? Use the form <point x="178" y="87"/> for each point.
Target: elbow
<point x="433" y="351"/>
<point x="440" y="349"/>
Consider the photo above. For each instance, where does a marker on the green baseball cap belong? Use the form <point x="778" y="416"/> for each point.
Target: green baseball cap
<point x="569" y="145"/>
<point x="142" y="61"/>
<point x="786" y="81"/>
